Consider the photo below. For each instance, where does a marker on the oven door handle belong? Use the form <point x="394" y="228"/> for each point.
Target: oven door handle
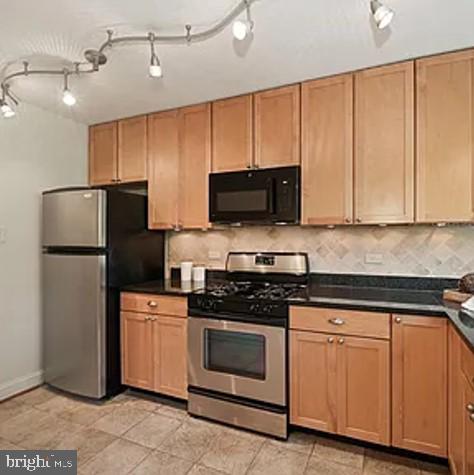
<point x="265" y="321"/>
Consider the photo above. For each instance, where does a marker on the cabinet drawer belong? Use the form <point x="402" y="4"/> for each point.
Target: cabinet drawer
<point x="158" y="304"/>
<point x="347" y="322"/>
<point x="467" y="363"/>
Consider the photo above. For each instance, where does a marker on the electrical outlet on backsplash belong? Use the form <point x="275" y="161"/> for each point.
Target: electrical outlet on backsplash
<point x="396" y="250"/>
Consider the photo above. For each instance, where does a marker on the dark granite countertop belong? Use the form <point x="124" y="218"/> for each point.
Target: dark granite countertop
<point x="394" y="295"/>
<point x="163" y="287"/>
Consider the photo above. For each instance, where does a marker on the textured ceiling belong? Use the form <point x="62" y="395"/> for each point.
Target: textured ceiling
<point x="293" y="40"/>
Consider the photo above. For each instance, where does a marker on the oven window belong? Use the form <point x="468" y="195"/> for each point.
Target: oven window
<point x="241" y="201"/>
<point x="238" y="353"/>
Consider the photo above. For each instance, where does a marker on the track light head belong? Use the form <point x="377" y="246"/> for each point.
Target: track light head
<point x="6" y="110"/>
<point x="68" y="97"/>
<point x="241" y="28"/>
<point x="382" y="14"/>
<point x="155" y="69"/>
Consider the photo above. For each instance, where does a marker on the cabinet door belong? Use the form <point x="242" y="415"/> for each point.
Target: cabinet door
<point x="232" y="134"/>
<point x="132" y="154"/>
<point x="163" y="170"/>
<point x="419" y="384"/>
<point x="445" y="144"/>
<point x="137" y="350"/>
<point x="170" y="350"/>
<point x="456" y="408"/>
<point x="384" y="144"/>
<point x="277" y="127"/>
<point x="363" y="389"/>
<point x="313" y="380"/>
<point x="103" y="154"/>
<point x="326" y="162"/>
<point x="194" y="166"/>
<point x="468" y="429"/>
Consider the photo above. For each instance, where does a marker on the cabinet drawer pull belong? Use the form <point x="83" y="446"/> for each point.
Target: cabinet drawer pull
<point x="147" y="319"/>
<point x="398" y="320"/>
<point x="152" y="304"/>
<point x="470" y="408"/>
<point x="336" y="321"/>
<point x="341" y="341"/>
<point x="471" y="417"/>
<point x="330" y="339"/>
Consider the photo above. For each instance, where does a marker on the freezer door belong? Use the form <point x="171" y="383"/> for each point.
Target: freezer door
<point x="74" y="322"/>
<point x="74" y="218"/>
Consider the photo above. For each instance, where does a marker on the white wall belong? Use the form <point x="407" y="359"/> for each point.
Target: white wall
<point x="38" y="151"/>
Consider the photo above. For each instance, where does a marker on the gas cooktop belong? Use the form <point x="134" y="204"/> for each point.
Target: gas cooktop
<point x="254" y="290"/>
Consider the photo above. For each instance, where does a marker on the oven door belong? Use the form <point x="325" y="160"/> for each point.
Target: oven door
<point x="240" y="359"/>
<point x="240" y="197"/>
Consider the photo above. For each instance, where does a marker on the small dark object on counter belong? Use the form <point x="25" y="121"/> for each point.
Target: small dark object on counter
<point x="466" y="284"/>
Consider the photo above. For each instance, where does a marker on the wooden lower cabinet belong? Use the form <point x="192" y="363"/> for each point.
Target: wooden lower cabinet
<point x="170" y="356"/>
<point x="154" y="353"/>
<point x="468" y="429"/>
<point x="137" y="350"/>
<point x="363" y="389"/>
<point x="419" y="384"/>
<point x="341" y="384"/>
<point x="313" y="380"/>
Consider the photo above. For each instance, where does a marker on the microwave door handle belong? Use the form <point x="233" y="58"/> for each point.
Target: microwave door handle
<point x="271" y="196"/>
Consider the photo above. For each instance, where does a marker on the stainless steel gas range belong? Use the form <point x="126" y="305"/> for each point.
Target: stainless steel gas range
<point x="237" y="341"/>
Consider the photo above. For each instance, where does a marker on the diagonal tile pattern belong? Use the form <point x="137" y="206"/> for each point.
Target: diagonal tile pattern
<point x="406" y="250"/>
<point x="138" y="435"/>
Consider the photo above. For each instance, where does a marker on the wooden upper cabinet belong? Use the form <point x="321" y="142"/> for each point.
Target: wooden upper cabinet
<point x="363" y="388"/>
<point x="384" y="144"/>
<point x="445" y="138"/>
<point x="194" y="168"/>
<point x="277" y="127"/>
<point x="327" y="150"/>
<point x="132" y="149"/>
<point x="163" y="170"/>
<point x="232" y="134"/>
<point x="103" y="154"/>
<point x="419" y="384"/>
<point x="137" y="350"/>
<point x="170" y="356"/>
<point x="313" y="381"/>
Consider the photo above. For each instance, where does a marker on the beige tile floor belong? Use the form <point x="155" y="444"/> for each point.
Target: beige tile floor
<point x="135" y="435"/>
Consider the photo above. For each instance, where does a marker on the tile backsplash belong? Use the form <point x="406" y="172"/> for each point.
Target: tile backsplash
<point x="397" y="250"/>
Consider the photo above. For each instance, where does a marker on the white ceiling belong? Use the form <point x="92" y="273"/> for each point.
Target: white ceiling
<point x="294" y="40"/>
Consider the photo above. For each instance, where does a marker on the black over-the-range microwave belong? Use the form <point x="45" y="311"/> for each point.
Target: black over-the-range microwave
<point x="263" y="196"/>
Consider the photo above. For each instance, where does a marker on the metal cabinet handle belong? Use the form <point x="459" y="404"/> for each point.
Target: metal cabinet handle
<point x="152" y="304"/>
<point x="341" y="341"/>
<point x="330" y="339"/>
<point x="471" y="417"/>
<point x="470" y="408"/>
<point x="347" y="220"/>
<point x="147" y="318"/>
<point x="398" y="320"/>
<point x="336" y="321"/>
<point x="358" y="220"/>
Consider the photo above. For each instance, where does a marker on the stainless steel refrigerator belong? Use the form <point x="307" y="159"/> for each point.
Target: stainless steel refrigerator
<point x="94" y="242"/>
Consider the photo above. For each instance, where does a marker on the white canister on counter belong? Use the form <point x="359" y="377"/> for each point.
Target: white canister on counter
<point x="186" y="271"/>
<point x="199" y="274"/>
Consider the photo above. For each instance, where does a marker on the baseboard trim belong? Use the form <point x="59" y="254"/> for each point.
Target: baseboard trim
<point x="21" y="384"/>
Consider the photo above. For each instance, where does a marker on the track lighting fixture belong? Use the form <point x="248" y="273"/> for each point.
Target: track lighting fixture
<point x="382" y="14"/>
<point x="96" y="58"/>
<point x="68" y="96"/>
<point x="242" y="28"/>
<point x="155" y="65"/>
